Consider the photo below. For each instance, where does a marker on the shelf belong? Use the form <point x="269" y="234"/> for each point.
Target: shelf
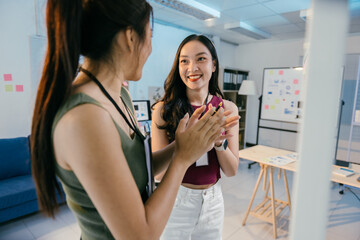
<point x="356" y="123"/>
<point x="230" y="80"/>
<point x="230" y="90"/>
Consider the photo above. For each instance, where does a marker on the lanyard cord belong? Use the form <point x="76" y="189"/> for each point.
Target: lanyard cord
<point x="206" y="99"/>
<point x="128" y="111"/>
<point x="205" y="103"/>
<point x="132" y="126"/>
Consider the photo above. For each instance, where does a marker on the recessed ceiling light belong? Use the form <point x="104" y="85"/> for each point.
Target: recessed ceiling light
<point x="191" y="7"/>
<point x="247" y="30"/>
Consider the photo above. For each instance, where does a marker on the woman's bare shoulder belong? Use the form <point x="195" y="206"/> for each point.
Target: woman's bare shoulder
<point x="157" y="117"/>
<point x="229" y="105"/>
<point x="83" y="130"/>
<point x="159" y="105"/>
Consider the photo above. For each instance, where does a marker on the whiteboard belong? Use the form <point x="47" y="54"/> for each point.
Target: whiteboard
<point x="281" y="94"/>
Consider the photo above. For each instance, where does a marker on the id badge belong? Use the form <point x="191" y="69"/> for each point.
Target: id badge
<point x="151" y="185"/>
<point x="203" y="160"/>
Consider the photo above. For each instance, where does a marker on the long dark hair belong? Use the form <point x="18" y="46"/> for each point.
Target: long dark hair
<point x="74" y="27"/>
<point x="176" y="103"/>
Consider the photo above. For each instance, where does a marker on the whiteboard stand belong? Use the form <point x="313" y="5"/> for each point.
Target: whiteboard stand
<point x="259" y="116"/>
<point x="342" y="103"/>
<point x="257" y="133"/>
<point x="354" y="121"/>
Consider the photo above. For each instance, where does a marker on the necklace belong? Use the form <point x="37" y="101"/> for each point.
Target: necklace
<point x="132" y="125"/>
<point x="206" y="99"/>
<point x="128" y="112"/>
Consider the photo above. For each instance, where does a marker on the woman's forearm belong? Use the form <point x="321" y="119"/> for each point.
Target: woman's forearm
<point x="228" y="161"/>
<point x="162" y="158"/>
<point x="158" y="214"/>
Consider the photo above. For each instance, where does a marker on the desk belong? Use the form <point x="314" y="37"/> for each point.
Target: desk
<point x="270" y="207"/>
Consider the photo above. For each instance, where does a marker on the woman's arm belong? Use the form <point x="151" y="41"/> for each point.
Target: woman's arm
<point x="228" y="159"/>
<point x="162" y="150"/>
<point x="87" y="142"/>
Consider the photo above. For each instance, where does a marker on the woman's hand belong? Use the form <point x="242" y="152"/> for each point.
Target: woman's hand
<point x="230" y="122"/>
<point x="196" y="136"/>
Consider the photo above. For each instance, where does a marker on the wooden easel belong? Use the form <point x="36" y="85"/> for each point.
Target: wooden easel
<point x="270" y="207"/>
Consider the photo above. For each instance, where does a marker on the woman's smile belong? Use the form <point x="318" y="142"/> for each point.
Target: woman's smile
<point x="194" y="78"/>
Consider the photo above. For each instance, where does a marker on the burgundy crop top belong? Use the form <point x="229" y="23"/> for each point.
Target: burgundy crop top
<point x="208" y="174"/>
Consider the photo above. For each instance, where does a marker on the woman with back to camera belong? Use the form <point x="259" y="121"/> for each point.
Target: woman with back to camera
<point x="192" y="84"/>
<point x="83" y="127"/>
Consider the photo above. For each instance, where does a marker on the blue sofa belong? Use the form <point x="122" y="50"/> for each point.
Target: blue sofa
<point x="17" y="188"/>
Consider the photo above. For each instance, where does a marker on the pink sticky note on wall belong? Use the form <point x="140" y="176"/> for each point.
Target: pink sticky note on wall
<point x="296" y="81"/>
<point x="281" y="72"/>
<point x="266" y="107"/>
<point x="297" y="92"/>
<point x="19" y="88"/>
<point x="8" y="77"/>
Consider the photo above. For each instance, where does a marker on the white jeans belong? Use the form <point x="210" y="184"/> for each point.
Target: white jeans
<point x="197" y="215"/>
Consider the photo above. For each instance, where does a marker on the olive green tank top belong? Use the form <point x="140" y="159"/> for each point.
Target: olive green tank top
<point x="91" y="224"/>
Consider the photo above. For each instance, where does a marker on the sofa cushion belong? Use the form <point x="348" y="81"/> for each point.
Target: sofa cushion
<point x="20" y="210"/>
<point x="16" y="190"/>
<point x="14" y="157"/>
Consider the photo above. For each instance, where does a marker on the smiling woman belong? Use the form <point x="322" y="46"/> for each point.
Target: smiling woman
<point x="193" y="83"/>
<point x="195" y="63"/>
<point x="175" y="98"/>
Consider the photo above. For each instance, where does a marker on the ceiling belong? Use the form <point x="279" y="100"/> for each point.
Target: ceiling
<point x="280" y="18"/>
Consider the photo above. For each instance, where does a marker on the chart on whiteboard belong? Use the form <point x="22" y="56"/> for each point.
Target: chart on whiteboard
<point x="281" y="94"/>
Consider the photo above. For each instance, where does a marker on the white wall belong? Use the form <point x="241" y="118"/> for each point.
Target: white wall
<point x="17" y="20"/>
<point x="226" y="55"/>
<point x="257" y="56"/>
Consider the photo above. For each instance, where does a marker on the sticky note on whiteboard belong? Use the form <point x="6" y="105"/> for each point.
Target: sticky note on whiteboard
<point x="357" y="116"/>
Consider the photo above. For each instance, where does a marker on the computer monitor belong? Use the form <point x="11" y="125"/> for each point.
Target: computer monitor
<point x="142" y="110"/>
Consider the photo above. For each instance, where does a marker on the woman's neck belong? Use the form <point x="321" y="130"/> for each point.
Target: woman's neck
<point x="198" y="98"/>
<point x="105" y="74"/>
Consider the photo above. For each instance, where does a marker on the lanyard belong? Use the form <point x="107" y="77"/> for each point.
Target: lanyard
<point x="147" y="142"/>
<point x="132" y="125"/>
<point x="205" y="103"/>
<point x="206" y="99"/>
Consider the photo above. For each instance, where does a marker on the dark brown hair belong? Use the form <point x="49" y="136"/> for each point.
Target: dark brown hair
<point x="176" y="103"/>
<point x="74" y="27"/>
